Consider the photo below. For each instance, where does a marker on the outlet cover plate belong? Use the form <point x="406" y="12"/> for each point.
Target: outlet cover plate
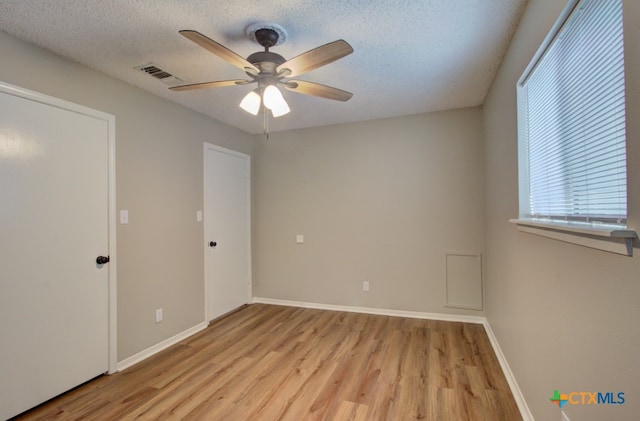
<point x="124" y="217"/>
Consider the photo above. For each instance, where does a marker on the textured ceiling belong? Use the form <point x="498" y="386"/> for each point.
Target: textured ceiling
<point x="411" y="56"/>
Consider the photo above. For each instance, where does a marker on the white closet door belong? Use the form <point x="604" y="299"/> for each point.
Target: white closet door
<point x="227" y="230"/>
<point x="54" y="202"/>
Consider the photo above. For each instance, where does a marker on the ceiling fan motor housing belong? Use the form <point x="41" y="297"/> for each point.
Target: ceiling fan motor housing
<point x="266" y="61"/>
<point x="266" y="37"/>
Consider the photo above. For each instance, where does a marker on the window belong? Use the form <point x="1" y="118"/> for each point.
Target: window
<point x="571" y="119"/>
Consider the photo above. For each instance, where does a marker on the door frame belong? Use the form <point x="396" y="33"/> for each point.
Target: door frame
<point x="206" y="147"/>
<point x="111" y="223"/>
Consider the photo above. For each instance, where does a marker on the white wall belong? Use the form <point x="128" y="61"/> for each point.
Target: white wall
<point x="159" y="180"/>
<point x="379" y="201"/>
<point x="566" y="316"/>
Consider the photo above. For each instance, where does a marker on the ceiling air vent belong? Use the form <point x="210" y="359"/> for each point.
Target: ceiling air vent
<point x="160" y="74"/>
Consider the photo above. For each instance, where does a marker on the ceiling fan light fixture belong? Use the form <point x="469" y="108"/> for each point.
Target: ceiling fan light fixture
<point x="251" y="103"/>
<point x="281" y="110"/>
<point x="274" y="101"/>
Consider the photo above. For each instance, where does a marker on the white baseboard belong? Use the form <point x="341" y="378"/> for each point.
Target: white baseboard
<point x="513" y="385"/>
<point x="142" y="355"/>
<point x="372" y="310"/>
<point x="525" y="412"/>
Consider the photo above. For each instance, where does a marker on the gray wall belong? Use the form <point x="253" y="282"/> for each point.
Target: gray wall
<point x="566" y="316"/>
<point x="379" y="201"/>
<point x="159" y="180"/>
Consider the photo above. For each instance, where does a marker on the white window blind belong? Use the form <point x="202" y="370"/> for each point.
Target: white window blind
<point x="573" y="111"/>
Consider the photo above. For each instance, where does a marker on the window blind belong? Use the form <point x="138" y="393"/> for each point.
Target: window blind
<point x="574" y="102"/>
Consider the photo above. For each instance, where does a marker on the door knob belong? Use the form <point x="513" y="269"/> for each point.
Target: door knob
<point x="212" y="244"/>
<point x="101" y="260"/>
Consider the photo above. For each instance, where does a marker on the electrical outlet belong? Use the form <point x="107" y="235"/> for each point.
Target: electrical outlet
<point x="365" y="286"/>
<point x="158" y="315"/>
<point x="564" y="416"/>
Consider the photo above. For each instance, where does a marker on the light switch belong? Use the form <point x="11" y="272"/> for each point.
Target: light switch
<point x="299" y="238"/>
<point x="199" y="216"/>
<point x="124" y="216"/>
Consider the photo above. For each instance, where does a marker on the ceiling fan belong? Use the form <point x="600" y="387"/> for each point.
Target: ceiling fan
<point x="270" y="70"/>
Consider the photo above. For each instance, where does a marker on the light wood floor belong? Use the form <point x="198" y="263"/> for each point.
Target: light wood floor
<point x="271" y="363"/>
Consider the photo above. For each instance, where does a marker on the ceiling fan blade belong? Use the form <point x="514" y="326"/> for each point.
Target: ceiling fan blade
<point x="315" y="58"/>
<point x="218" y="49"/>
<point x="216" y="84"/>
<point x="316" y="89"/>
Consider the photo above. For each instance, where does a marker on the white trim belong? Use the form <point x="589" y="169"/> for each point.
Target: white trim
<point x="525" y="412"/>
<point x="504" y="365"/>
<point x="371" y="310"/>
<point x="113" y="256"/>
<point x="614" y="239"/>
<point x="161" y="346"/>
<point x="111" y="125"/>
<point x="595" y="229"/>
<point x="204" y="229"/>
<point x="210" y="146"/>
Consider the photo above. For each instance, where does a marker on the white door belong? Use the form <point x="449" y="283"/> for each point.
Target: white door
<point x="227" y="230"/>
<point x="54" y="215"/>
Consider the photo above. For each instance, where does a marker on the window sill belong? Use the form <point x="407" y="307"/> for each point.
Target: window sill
<point x="611" y="238"/>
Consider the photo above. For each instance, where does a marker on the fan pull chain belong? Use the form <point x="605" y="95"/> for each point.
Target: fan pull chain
<point x="265" y="113"/>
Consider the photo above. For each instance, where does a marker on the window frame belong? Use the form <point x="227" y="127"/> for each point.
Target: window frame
<point x="616" y="238"/>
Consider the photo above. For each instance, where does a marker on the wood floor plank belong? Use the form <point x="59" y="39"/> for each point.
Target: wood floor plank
<point x="267" y="362"/>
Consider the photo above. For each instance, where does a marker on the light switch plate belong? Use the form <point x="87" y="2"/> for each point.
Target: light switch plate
<point x="124" y="216"/>
<point x="300" y="239"/>
<point x="199" y="216"/>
